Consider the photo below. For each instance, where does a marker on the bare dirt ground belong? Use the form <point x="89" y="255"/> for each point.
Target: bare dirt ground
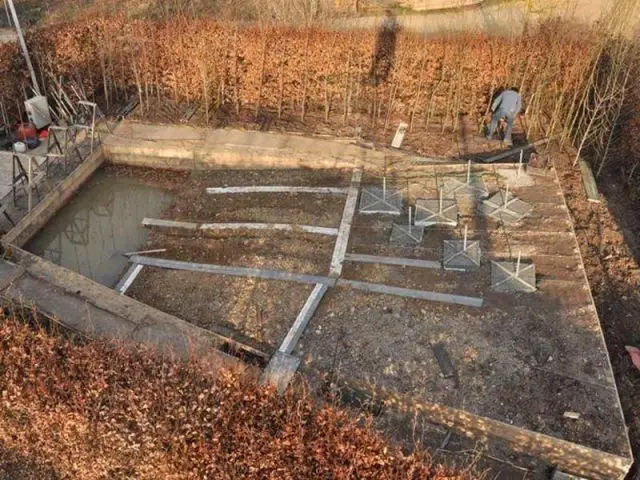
<point x="467" y="142"/>
<point x="523" y="349"/>
<point x="263" y="310"/>
<point x="608" y="234"/>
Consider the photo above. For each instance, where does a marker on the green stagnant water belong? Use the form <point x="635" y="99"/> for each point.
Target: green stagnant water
<point x="101" y="223"/>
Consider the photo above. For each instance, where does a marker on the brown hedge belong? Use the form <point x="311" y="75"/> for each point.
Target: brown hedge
<point x="95" y="410"/>
<point x="294" y="71"/>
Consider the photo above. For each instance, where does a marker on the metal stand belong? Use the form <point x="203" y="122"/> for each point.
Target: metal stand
<point x="376" y="200"/>
<point x="438" y="211"/>
<point x="406" y="235"/>
<point x="61" y="145"/>
<point x="505" y="208"/>
<point x="89" y="114"/>
<point x="86" y="120"/>
<point x="471" y="186"/>
<point x="20" y="177"/>
<point x="513" y="276"/>
<point x="461" y="255"/>
<point x="4" y="120"/>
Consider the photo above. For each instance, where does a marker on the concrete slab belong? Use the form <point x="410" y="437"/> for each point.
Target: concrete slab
<point x="516" y="177"/>
<point x="508" y="387"/>
<point x="280" y="371"/>
<point x="406" y="235"/>
<point x="511" y="277"/>
<point x="435" y="212"/>
<point x="303" y="318"/>
<point x="505" y="208"/>
<point x="460" y="257"/>
<point x="461" y="186"/>
<point x="377" y="200"/>
<point x="126" y="281"/>
<point x="183" y="147"/>
<point x="344" y="233"/>
<point x="529" y="350"/>
<point x="402" y="262"/>
<point x="169" y="133"/>
<point x="100" y="312"/>
<point x="9" y="273"/>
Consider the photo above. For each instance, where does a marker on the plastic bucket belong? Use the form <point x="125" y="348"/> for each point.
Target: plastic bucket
<point x="26" y="131"/>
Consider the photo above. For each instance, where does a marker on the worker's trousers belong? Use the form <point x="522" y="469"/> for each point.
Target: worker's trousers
<point x="509" y="116"/>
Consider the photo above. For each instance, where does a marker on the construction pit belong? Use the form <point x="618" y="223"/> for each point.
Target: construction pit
<point x="455" y="290"/>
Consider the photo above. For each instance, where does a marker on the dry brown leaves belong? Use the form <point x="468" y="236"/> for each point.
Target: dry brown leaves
<point x="96" y="410"/>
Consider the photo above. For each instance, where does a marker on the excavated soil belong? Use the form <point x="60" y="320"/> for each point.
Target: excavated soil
<point x="524" y="359"/>
<point x="260" y="309"/>
<point x="608" y="234"/>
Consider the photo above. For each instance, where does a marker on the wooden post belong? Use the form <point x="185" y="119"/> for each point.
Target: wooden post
<point x="6" y="9"/>
<point x="30" y="175"/>
<point x="518" y="263"/>
<point x="520" y="163"/>
<point x="23" y="46"/>
<point x="469" y="172"/>
<point x="464" y="243"/>
<point x="93" y="126"/>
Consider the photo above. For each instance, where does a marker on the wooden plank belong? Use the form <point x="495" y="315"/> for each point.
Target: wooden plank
<point x="308" y="279"/>
<point x="305" y="315"/>
<point x="145" y="252"/>
<point x="345" y="225"/>
<point x="403" y="262"/>
<point x="231" y="271"/>
<point x="589" y="182"/>
<point x="278" y="189"/>
<point x="156" y="222"/>
<point x="515" y="151"/>
<point x="280" y="371"/>
<point x="126" y="281"/>
<point x="572" y="456"/>
<point x="285" y="227"/>
<point x="408" y="293"/>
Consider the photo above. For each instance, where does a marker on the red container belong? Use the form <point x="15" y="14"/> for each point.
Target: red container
<point x="26" y="132"/>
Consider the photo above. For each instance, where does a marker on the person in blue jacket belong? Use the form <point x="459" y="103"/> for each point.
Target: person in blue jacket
<point x="506" y="105"/>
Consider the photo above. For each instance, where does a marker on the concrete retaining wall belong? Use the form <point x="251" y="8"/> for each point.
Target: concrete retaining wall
<point x="86" y="307"/>
<point x="181" y="147"/>
<point x="569" y="456"/>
